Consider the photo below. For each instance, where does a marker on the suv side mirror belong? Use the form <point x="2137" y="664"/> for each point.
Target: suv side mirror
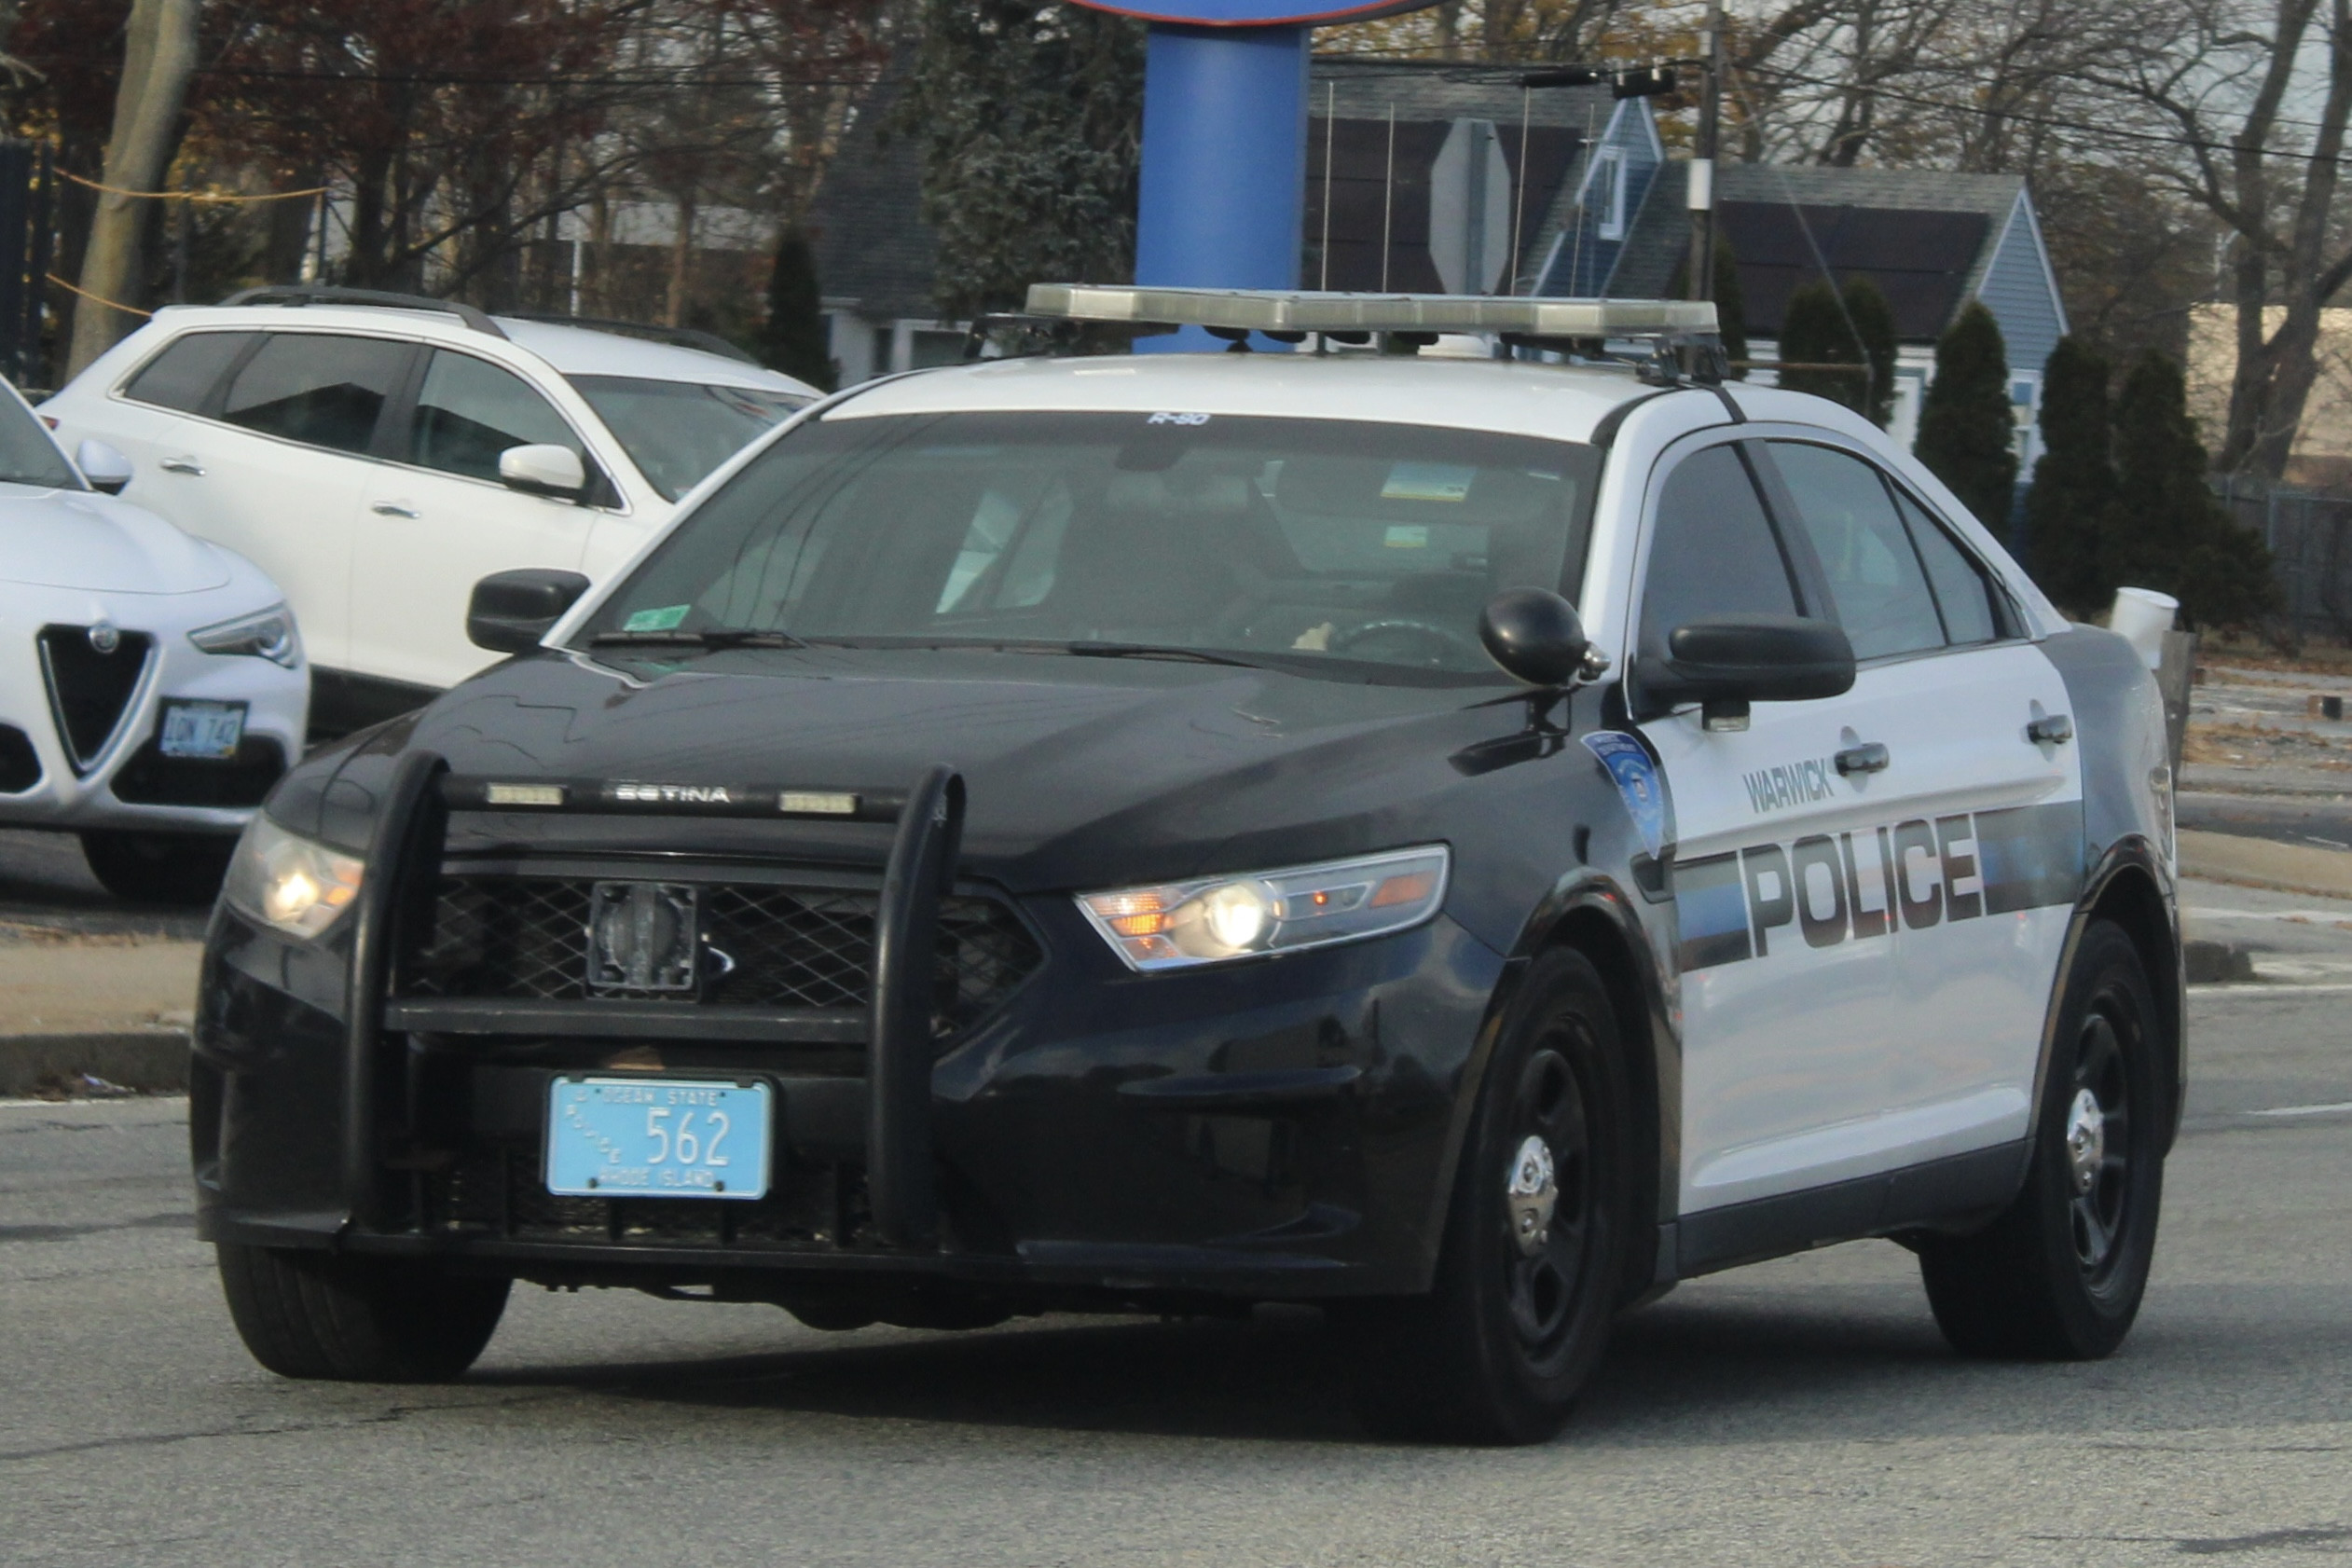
<point x="510" y="610"/>
<point x="544" y="469"/>
<point x="107" y="470"/>
<point x="1534" y="634"/>
<point x="1728" y="662"/>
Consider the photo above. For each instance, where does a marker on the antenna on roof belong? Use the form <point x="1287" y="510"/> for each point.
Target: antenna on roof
<point x="1331" y="119"/>
<point x="1519" y="196"/>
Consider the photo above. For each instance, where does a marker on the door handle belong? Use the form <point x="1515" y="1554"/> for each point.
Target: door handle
<point x="182" y="465"/>
<point x="392" y="509"/>
<point x="1869" y="757"/>
<point x="2052" y="729"/>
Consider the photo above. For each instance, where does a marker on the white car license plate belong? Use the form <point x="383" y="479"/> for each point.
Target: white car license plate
<point x="192" y="728"/>
<point x="657" y="1137"/>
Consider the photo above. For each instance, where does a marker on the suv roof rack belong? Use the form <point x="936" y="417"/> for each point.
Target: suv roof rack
<point x="676" y="336"/>
<point x="1276" y="312"/>
<point x="331" y="294"/>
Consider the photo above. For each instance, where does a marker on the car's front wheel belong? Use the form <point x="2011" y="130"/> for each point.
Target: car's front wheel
<point x="2060" y="1273"/>
<point x="314" y="1314"/>
<point x="158" y="867"/>
<point x="1536" y="1239"/>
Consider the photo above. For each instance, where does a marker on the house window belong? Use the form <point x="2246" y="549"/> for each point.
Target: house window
<point x="1606" y="198"/>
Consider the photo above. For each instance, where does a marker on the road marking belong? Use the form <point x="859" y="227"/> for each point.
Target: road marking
<point x="2272" y="987"/>
<point x="2304" y="1111"/>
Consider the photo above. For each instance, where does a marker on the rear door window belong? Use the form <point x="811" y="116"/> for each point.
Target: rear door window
<point x="469" y="411"/>
<point x="184" y="374"/>
<point x="1972" y="611"/>
<point x="321" y="389"/>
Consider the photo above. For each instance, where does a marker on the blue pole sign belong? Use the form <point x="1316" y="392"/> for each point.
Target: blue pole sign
<point x="1225" y="142"/>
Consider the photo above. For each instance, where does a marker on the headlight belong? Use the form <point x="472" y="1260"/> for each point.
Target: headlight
<point x="285" y="880"/>
<point x="1222" y="917"/>
<point x="267" y="634"/>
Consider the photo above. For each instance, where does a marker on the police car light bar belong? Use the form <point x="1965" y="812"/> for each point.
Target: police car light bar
<point x="1307" y="310"/>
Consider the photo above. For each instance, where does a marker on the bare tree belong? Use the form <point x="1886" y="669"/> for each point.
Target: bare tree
<point x="2223" y="85"/>
<point x="158" y="57"/>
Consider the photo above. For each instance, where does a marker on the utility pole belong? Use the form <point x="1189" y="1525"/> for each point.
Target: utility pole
<point x="1702" y="158"/>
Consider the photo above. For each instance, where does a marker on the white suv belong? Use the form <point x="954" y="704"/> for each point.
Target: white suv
<point x="378" y="454"/>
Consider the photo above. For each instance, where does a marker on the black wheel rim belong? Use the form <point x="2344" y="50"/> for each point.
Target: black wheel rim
<point x="2097" y="1137"/>
<point x="1544" y="1267"/>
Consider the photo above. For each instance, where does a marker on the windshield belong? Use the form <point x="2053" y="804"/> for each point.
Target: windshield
<point x="676" y="431"/>
<point x="27" y="455"/>
<point x="1367" y="548"/>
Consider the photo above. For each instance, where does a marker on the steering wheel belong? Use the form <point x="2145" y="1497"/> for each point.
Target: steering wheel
<point x="1444" y="647"/>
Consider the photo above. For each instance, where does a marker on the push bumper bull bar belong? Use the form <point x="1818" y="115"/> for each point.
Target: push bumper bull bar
<point x="900" y="1185"/>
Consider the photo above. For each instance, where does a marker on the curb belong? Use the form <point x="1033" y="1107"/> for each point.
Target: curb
<point x="154" y="1060"/>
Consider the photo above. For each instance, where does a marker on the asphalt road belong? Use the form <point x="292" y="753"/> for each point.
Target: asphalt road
<point x="1799" y="1412"/>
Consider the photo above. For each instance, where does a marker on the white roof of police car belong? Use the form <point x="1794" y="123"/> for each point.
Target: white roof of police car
<point x="1561" y="402"/>
<point x="570" y="350"/>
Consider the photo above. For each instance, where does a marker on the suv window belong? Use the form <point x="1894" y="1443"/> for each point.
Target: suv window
<point x="183" y="375"/>
<point x="1971" y="613"/>
<point x="1714" y="551"/>
<point x="315" y="387"/>
<point x="1876" y="584"/>
<point x="469" y="411"/>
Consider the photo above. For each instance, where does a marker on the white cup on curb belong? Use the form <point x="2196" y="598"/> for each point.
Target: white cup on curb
<point x="2141" y="617"/>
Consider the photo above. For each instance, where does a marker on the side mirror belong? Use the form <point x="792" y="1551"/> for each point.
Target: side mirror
<point x="510" y="610"/>
<point x="1728" y="662"/>
<point x="107" y="470"/>
<point x="1534" y="634"/>
<point x="543" y="469"/>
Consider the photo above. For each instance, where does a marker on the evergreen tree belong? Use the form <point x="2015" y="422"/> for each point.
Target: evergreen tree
<point x="1869" y="316"/>
<point x="1731" y="305"/>
<point x="1813" y="332"/>
<point x="792" y="339"/>
<point x="2167" y="530"/>
<point x="1030" y="120"/>
<point x="2070" y="507"/>
<point x="1965" y="425"/>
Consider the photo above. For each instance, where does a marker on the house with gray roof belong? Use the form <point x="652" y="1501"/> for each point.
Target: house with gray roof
<point x="1930" y="241"/>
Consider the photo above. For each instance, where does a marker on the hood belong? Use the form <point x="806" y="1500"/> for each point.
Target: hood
<point x="1073" y="767"/>
<point x="67" y="539"/>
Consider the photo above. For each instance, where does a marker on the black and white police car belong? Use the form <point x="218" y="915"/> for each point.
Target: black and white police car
<point x="1465" y="843"/>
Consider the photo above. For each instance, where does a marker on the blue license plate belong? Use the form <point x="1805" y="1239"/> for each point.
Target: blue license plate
<point x="657" y="1137"/>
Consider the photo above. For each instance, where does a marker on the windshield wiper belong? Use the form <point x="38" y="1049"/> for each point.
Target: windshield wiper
<point x="1153" y="650"/>
<point x="709" y="636"/>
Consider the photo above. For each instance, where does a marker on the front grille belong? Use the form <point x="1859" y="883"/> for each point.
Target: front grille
<point x="89" y="690"/>
<point x="20" y="765"/>
<point x="525" y="938"/>
<point x="151" y="779"/>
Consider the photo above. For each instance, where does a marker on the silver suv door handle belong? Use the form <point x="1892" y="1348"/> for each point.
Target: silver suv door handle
<point x="392" y="509"/>
<point x="2054" y="729"/>
<point x="182" y="465"/>
<point x="1869" y="757"/>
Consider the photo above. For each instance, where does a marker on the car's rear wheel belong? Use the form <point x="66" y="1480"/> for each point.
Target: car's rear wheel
<point x="1535" y="1239"/>
<point x="2060" y="1273"/>
<point x="158" y="867"/>
<point x="314" y="1314"/>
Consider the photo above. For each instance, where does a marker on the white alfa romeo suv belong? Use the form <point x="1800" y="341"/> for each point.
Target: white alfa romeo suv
<point x="378" y="454"/>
